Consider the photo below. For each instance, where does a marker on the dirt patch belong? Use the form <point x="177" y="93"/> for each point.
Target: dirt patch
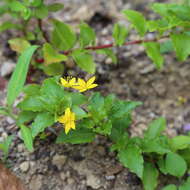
<point x="93" y="166"/>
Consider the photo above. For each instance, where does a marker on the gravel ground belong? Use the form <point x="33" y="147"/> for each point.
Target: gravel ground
<point x="92" y="166"/>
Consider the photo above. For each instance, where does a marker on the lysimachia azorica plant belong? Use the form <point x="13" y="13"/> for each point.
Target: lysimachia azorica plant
<point x="63" y="44"/>
<point x="62" y="105"/>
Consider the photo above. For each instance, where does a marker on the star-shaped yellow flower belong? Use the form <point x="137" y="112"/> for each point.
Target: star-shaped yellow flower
<point x="68" y="119"/>
<point x="69" y="82"/>
<point x="83" y="85"/>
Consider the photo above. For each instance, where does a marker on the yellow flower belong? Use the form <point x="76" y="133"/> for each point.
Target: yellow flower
<point x="83" y="85"/>
<point x="68" y="119"/>
<point x="69" y="82"/>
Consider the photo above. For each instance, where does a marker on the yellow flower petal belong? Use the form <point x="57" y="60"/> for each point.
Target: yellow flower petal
<point x="83" y="90"/>
<point x="73" y="125"/>
<point x="72" y="81"/>
<point x="81" y="82"/>
<point x="67" y="112"/>
<point x="72" y="116"/>
<point x="92" y="86"/>
<point x="62" y="119"/>
<point x="64" y="82"/>
<point x="91" y="80"/>
<point x="67" y="128"/>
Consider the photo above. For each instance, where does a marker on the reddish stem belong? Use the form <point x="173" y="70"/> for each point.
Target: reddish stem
<point x="45" y="36"/>
<point x="111" y="45"/>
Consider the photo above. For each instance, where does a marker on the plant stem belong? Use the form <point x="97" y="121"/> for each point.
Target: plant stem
<point x="111" y="45"/>
<point x="44" y="34"/>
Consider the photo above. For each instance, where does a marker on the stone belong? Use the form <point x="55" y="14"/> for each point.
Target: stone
<point x="63" y="175"/>
<point x="93" y="181"/>
<point x="7" y="68"/>
<point x="160" y="88"/>
<point x="20" y="147"/>
<point x="101" y="150"/>
<point x="59" y="161"/>
<point x="83" y="13"/>
<point x="24" y="166"/>
<point x="36" y="182"/>
<point x="147" y="69"/>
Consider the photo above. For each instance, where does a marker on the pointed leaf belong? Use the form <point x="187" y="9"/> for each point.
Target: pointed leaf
<point x="87" y="35"/>
<point x="138" y="21"/>
<point x="175" y="164"/>
<point x="150" y="176"/>
<point x="51" y="56"/>
<point x="132" y="158"/>
<point x="153" y="52"/>
<point x="181" y="43"/>
<point x="119" y="34"/>
<point x="26" y="135"/>
<point x="84" y="60"/>
<point x="77" y="136"/>
<point x="18" y="77"/>
<point x="41" y="122"/>
<point x="155" y="128"/>
<point x="63" y="36"/>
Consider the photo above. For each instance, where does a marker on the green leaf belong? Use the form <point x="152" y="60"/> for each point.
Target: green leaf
<point x="96" y="107"/>
<point x="41" y="122"/>
<point x="166" y="47"/>
<point x="118" y="133"/>
<point x="51" y="56"/>
<point x="175" y="165"/>
<point x="87" y="35"/>
<point x="185" y="154"/>
<point x="181" y="43"/>
<point x="18" y="77"/>
<point x="186" y="185"/>
<point x="132" y="158"/>
<point x="77" y="136"/>
<point x="79" y="112"/>
<point x="32" y="103"/>
<point x="3" y="9"/>
<point x="160" y="8"/>
<point x="155" y="128"/>
<point x="153" y="52"/>
<point x="55" y="7"/>
<point x="31" y="89"/>
<point x="78" y="98"/>
<point x="8" y="25"/>
<point x="119" y="34"/>
<point x="104" y="128"/>
<point x="162" y="165"/>
<point x="109" y="53"/>
<point x="26" y="135"/>
<point x="25" y="117"/>
<point x="84" y="60"/>
<point x="181" y="12"/>
<point x="40" y="12"/>
<point x="35" y="3"/>
<point x="3" y="111"/>
<point x="180" y="142"/>
<point x="54" y="69"/>
<point x="121" y="109"/>
<point x="17" y="6"/>
<point x="138" y="21"/>
<point x="121" y="141"/>
<point x="5" y="145"/>
<point x="18" y="44"/>
<point x="170" y="187"/>
<point x="157" y="145"/>
<point x="52" y="88"/>
<point x="150" y="175"/>
<point x="63" y="36"/>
